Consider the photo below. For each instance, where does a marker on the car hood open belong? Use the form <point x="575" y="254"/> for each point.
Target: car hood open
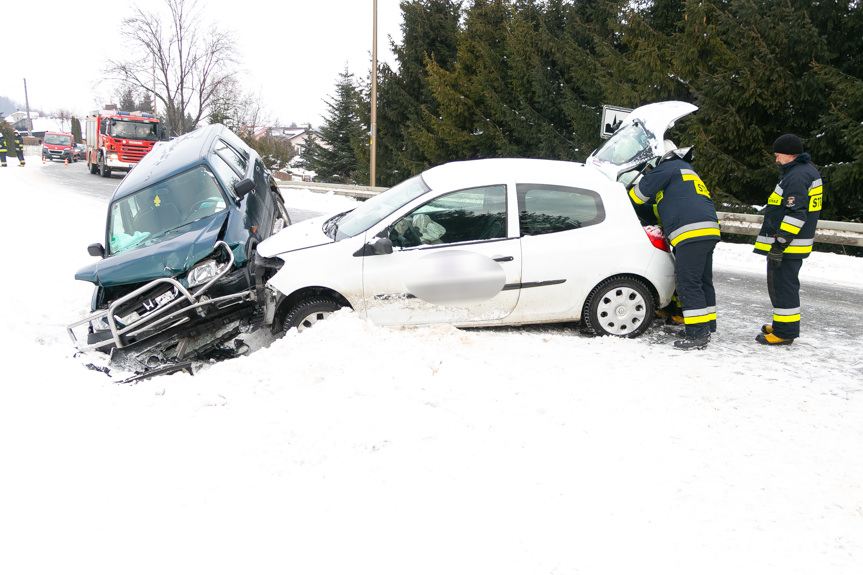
<point x="305" y="234"/>
<point x="177" y="254"/>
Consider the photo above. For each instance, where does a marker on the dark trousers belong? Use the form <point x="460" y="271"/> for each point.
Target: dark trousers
<point x="693" y="266"/>
<point x="20" y="154"/>
<point x="783" y="285"/>
<point x="3" y="158"/>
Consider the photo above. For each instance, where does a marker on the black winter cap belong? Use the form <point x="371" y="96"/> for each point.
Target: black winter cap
<point x="788" y="144"/>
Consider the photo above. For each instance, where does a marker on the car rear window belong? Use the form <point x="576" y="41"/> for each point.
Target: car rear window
<point x="545" y="209"/>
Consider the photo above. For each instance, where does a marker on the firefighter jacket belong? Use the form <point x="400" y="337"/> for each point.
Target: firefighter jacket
<point x="683" y="204"/>
<point x="2" y="145"/>
<point x="792" y="210"/>
<point x="18" y="144"/>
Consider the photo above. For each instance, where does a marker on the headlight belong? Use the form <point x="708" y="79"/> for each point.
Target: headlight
<point x="113" y="156"/>
<point x="202" y="273"/>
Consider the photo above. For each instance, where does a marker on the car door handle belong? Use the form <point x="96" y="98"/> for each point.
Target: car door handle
<point x="504" y="259"/>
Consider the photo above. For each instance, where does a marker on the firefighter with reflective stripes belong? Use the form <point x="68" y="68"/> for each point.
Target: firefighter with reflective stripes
<point x="688" y="218"/>
<point x="18" y="147"/>
<point x="787" y="236"/>
<point x="2" y="151"/>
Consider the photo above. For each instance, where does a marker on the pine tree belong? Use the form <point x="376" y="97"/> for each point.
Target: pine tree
<point x="430" y="31"/>
<point x="335" y="158"/>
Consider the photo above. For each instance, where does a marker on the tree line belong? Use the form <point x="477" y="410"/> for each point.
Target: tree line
<point x="528" y="78"/>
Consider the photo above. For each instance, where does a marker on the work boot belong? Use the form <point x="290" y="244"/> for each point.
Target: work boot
<point x="770" y="339"/>
<point x="692" y="343"/>
<point x="766" y="328"/>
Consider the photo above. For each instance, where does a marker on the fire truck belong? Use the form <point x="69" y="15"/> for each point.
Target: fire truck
<point x="116" y="141"/>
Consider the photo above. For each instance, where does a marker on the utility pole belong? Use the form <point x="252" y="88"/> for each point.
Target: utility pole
<point x="27" y="103"/>
<point x="374" y="122"/>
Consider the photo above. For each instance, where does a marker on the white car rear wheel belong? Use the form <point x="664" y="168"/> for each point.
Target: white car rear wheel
<point x="619" y="306"/>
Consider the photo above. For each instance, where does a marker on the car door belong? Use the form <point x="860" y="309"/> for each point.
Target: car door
<point x="452" y="262"/>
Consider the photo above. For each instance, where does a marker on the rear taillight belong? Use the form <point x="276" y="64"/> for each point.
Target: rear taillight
<point x="657" y="238"/>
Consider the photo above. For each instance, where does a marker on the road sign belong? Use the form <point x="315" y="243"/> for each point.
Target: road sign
<point x="612" y="117"/>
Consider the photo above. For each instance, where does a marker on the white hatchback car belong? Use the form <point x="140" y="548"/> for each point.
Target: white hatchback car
<point x="488" y="242"/>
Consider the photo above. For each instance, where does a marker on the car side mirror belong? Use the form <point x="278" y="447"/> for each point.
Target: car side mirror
<point x="376" y="247"/>
<point x="96" y="250"/>
<point x="243" y="187"/>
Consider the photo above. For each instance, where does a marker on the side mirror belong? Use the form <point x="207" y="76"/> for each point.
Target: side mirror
<point x="96" y="250"/>
<point x="243" y="187"/>
<point x="376" y="247"/>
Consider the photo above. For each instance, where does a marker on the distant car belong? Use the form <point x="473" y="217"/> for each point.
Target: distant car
<point x="175" y="281"/>
<point x="78" y="152"/>
<point x="488" y="242"/>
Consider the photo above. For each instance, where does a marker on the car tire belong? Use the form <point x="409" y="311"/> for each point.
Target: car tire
<point x="281" y="213"/>
<point x="619" y="306"/>
<point x="308" y="312"/>
<point x="104" y="170"/>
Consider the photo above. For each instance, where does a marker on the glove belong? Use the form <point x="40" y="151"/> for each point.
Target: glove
<point x="774" y="256"/>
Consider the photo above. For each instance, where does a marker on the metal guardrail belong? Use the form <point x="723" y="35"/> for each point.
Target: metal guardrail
<point x="828" y="232"/>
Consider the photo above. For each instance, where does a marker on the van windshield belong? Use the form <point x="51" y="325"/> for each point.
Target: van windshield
<point x="58" y="140"/>
<point x="144" y="217"/>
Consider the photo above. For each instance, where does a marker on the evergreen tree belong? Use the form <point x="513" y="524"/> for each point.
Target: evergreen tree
<point x="430" y="31"/>
<point x="76" y="130"/>
<point x="334" y="158"/>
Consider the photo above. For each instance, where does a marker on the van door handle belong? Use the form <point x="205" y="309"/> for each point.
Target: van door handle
<point x="504" y="259"/>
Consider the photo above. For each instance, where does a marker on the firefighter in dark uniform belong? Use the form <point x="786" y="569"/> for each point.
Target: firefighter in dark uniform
<point x="787" y="236"/>
<point x="2" y="150"/>
<point x="18" y="146"/>
<point x="689" y="220"/>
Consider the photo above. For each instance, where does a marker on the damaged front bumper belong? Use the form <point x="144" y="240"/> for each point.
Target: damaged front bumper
<point x="159" y="307"/>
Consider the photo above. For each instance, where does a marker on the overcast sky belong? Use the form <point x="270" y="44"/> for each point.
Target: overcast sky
<point x="292" y="51"/>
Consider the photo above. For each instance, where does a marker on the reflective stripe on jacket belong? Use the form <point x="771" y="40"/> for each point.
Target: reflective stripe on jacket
<point x="793" y="209"/>
<point x="683" y="202"/>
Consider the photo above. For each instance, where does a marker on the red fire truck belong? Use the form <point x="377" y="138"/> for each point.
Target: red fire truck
<point x="116" y="141"/>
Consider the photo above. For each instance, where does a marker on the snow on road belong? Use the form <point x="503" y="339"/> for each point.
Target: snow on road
<point x="362" y="449"/>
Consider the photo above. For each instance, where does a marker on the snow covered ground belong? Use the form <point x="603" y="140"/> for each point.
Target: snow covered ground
<point x="358" y="449"/>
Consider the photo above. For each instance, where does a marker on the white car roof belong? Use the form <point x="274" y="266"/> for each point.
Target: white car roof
<point x="465" y="174"/>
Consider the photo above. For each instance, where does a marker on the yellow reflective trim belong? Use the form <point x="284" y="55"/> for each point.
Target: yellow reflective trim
<point x="699" y="185"/>
<point x="634" y="197"/>
<point x="798" y="249"/>
<point x="774" y="199"/>
<point x="697" y="319"/>
<point x="695" y="234"/>
<point x="789" y="228"/>
<point x="659" y="195"/>
<point x="761" y="246"/>
<point x="786" y="318"/>
<point x="815" y="202"/>
<point x="816" y="191"/>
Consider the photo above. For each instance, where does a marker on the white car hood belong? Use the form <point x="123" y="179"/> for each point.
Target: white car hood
<point x="655" y="119"/>
<point x="305" y="234"/>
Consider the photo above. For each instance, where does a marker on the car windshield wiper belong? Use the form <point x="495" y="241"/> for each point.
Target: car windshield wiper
<point x="331" y="226"/>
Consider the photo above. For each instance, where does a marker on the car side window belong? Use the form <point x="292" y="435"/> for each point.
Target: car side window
<point x="473" y="214"/>
<point x="231" y="157"/>
<point x="545" y="209"/>
<point x="228" y="175"/>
